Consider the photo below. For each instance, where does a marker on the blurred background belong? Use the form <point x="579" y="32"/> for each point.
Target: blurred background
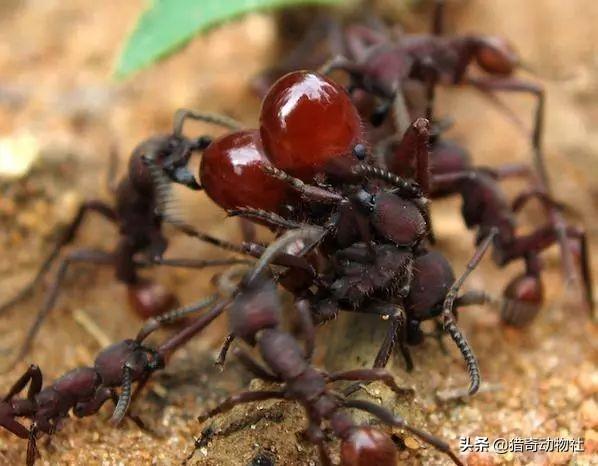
<point x="61" y="113"/>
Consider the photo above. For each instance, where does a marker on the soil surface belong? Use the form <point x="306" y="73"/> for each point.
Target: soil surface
<point x="59" y="103"/>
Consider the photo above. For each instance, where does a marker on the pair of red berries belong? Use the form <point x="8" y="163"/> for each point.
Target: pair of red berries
<point x="309" y="128"/>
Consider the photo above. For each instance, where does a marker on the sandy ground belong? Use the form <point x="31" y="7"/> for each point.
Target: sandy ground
<point x="56" y="93"/>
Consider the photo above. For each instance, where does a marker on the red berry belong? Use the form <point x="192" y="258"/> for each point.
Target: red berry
<point x="368" y="446"/>
<point x="310" y="126"/>
<point x="231" y="173"/>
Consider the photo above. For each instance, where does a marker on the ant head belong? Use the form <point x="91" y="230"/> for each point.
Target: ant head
<point x="144" y="360"/>
<point x="168" y="153"/>
<point x="368" y="445"/>
<point x="496" y="56"/>
<point x="256" y="307"/>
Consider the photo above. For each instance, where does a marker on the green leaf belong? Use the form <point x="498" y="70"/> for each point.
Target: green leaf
<point x="169" y="24"/>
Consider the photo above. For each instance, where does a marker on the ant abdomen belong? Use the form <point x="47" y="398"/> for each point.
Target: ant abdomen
<point x="523" y="298"/>
<point x="366" y="446"/>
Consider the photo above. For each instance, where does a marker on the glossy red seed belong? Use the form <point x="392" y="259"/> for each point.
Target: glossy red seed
<point x="367" y="446"/>
<point x="309" y="126"/>
<point x="149" y="299"/>
<point x="231" y="173"/>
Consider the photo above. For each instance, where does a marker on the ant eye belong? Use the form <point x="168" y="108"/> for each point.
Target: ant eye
<point x="360" y="151"/>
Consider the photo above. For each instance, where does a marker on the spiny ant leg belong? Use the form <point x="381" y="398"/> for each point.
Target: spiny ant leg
<point x="220" y="360"/>
<point x="183" y="114"/>
<point x="243" y="397"/>
<point x="370" y="375"/>
<point x="254" y="367"/>
<point x="270" y="218"/>
<point x="67" y="237"/>
<point x="406" y="188"/>
<point x="195" y="326"/>
<point x="307" y="191"/>
<point x="311" y="235"/>
<point x="190" y="263"/>
<point x="172" y="316"/>
<point x="395" y="333"/>
<point x="389" y="418"/>
<point x="448" y="317"/>
<point x="33" y="374"/>
<point x="475" y="297"/>
<point x="80" y="256"/>
<point x="32" y="452"/>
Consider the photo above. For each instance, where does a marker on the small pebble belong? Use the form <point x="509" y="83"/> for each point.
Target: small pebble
<point x="589" y="413"/>
<point x="411" y="443"/>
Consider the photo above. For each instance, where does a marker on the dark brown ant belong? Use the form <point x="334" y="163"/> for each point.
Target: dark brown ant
<point x="255" y="316"/>
<point x="85" y="390"/>
<point x="383" y="67"/>
<point x="135" y="214"/>
<point x="449" y="171"/>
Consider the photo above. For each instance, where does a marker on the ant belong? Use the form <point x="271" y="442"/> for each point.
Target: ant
<point x="383" y="67"/>
<point x="447" y="170"/>
<point x="85" y="390"/>
<point x="379" y="232"/>
<point x="135" y="214"/>
<point x="255" y="316"/>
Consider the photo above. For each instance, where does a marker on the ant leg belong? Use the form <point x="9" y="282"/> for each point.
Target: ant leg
<point x="243" y="397"/>
<point x="67" y="237"/>
<point x="307" y="326"/>
<point x="339" y="62"/>
<point x="473" y="298"/>
<point x="113" y="163"/>
<point x="248" y="230"/>
<point x="517" y="85"/>
<point x="310" y="235"/>
<point x="33" y="374"/>
<point x="220" y="360"/>
<point x="438" y="18"/>
<point x="309" y="192"/>
<point x="14" y="427"/>
<point x="170" y="317"/>
<point x="270" y="218"/>
<point x="191" y="263"/>
<point x="254" y="367"/>
<point x="396" y="332"/>
<point x="370" y="375"/>
<point x="510" y="84"/>
<point x="195" y="326"/>
<point x="80" y="256"/>
<point x="389" y="418"/>
<point x="449" y="319"/>
<point x="361" y="38"/>
<point x="315" y="435"/>
<point x="183" y="114"/>
<point x="32" y="452"/>
<point x="406" y="188"/>
<point x="534" y="193"/>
